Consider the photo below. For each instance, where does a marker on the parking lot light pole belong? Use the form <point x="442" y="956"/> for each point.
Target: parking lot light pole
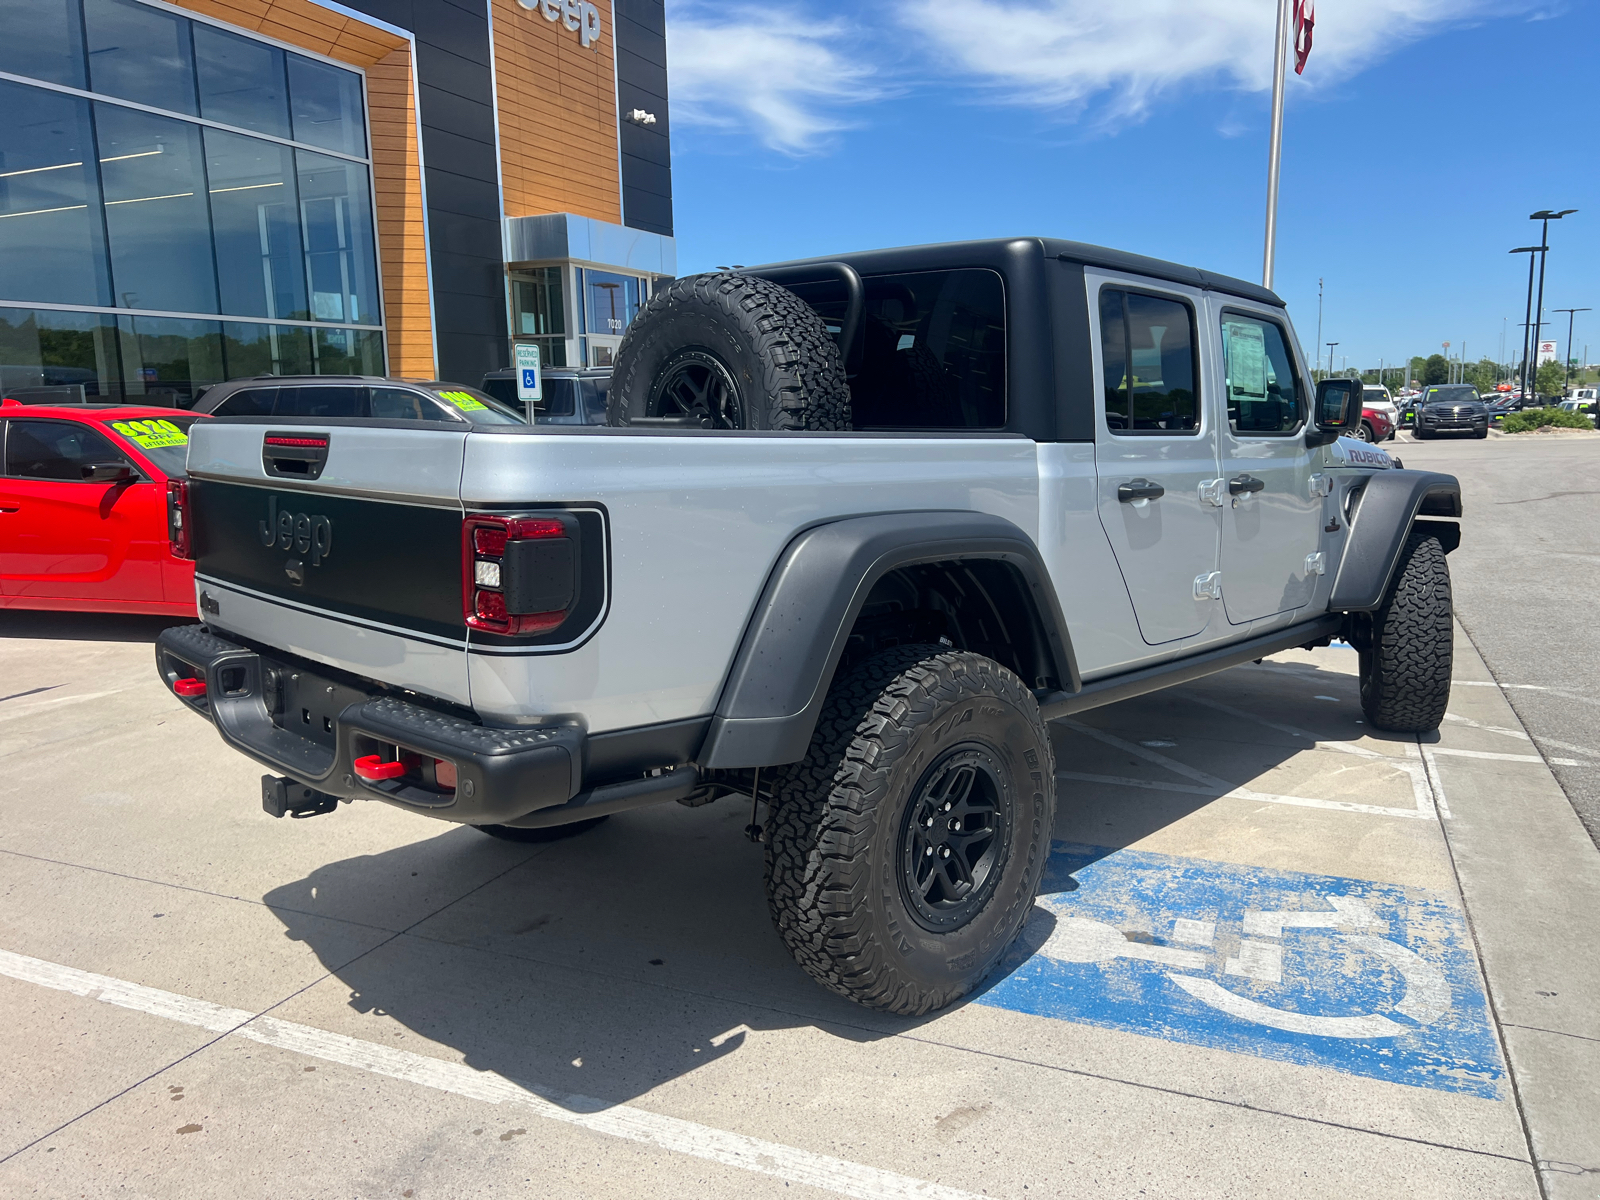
<point x="1330" y="346"/>
<point x="1545" y="215"/>
<point x="1566" y="372"/>
<point x="1527" y="323"/>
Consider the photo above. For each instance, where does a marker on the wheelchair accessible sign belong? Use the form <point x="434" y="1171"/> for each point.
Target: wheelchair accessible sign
<point x="1366" y="978"/>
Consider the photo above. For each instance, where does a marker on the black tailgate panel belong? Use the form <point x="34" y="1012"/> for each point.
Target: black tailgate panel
<point x="346" y="552"/>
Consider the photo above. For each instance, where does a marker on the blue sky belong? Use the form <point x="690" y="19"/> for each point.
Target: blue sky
<point x="1421" y="135"/>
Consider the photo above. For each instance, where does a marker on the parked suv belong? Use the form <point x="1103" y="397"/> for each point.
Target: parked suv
<point x="1379" y="416"/>
<point x="571" y="395"/>
<point x="861" y="526"/>
<point x="1451" y="408"/>
<point x="355" y="396"/>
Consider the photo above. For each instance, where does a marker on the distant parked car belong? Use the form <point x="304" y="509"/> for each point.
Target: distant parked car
<point x="361" y="396"/>
<point x="1375" y="399"/>
<point x="87" y="523"/>
<point x="1451" y="408"/>
<point x="1376" y="425"/>
<point x="571" y="395"/>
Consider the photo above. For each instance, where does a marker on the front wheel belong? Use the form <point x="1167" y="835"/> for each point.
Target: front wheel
<point x="1365" y="433"/>
<point x="904" y="851"/>
<point x="1480" y="433"/>
<point x="1407" y="645"/>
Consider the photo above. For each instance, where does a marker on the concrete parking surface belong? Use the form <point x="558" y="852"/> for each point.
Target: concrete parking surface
<point x="1276" y="952"/>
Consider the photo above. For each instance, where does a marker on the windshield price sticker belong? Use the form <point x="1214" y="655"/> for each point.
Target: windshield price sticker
<point x="151" y="435"/>
<point x="462" y="400"/>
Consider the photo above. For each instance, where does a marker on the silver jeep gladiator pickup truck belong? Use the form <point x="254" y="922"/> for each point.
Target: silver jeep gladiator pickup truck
<point x="857" y="529"/>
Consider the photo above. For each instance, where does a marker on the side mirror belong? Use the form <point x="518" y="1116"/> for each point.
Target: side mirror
<point x="106" y="472"/>
<point x="1337" y="410"/>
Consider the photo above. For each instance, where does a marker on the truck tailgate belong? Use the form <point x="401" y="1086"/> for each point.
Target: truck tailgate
<point x="324" y="559"/>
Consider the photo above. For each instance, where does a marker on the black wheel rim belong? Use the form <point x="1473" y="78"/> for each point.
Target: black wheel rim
<point x="953" y="839"/>
<point x="697" y="384"/>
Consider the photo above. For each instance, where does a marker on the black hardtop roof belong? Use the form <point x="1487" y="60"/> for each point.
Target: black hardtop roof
<point x="995" y="252"/>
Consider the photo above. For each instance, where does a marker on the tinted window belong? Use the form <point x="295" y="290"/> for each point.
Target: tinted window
<point x="43" y="40"/>
<point x="52" y="247"/>
<point x="336" y="207"/>
<point x="1264" y="396"/>
<point x="252" y="402"/>
<point x="241" y="81"/>
<point x="402" y="404"/>
<point x="933" y="349"/>
<point x="256" y="226"/>
<point x="322" y="402"/>
<point x="1148" y="348"/>
<point x="326" y="106"/>
<point x="156" y="441"/>
<point x="560" y="397"/>
<point x="55" y="450"/>
<point x="1449" y="395"/>
<point x="504" y="390"/>
<point x="140" y="53"/>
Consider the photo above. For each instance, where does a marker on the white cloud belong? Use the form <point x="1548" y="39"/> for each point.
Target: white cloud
<point x="1067" y="54"/>
<point x="769" y="69"/>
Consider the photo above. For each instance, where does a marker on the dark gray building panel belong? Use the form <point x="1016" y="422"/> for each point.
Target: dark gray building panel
<point x="641" y="48"/>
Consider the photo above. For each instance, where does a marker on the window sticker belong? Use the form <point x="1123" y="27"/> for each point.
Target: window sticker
<point x="151" y="435"/>
<point x="1247" y="360"/>
<point x="462" y="400"/>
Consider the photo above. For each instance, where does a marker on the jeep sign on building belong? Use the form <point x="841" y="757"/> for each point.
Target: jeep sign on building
<point x="202" y="190"/>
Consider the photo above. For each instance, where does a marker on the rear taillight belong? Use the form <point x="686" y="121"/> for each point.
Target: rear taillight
<point x="178" y="537"/>
<point x="519" y="575"/>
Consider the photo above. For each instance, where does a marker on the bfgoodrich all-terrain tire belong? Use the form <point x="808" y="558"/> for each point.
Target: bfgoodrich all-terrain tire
<point x="1406" y="658"/>
<point x="905" y="850"/>
<point x="729" y="351"/>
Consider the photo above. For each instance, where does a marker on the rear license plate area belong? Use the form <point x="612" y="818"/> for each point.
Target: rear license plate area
<point x="306" y="704"/>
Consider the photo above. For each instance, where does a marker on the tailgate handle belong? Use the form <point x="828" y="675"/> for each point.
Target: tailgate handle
<point x="287" y="454"/>
<point x="372" y="767"/>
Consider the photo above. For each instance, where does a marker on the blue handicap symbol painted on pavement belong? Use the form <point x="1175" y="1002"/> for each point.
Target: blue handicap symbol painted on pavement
<point x="1367" y="978"/>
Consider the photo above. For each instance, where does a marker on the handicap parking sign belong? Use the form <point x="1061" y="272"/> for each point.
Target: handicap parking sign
<point x="1367" y="978"/>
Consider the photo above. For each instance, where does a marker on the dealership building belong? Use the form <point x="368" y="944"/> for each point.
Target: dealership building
<point x="203" y="190"/>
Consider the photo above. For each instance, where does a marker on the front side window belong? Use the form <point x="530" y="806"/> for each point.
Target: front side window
<point x="1264" y="392"/>
<point x="1147" y="346"/>
<point x="56" y="450"/>
<point x="321" y="402"/>
<point x="402" y="404"/>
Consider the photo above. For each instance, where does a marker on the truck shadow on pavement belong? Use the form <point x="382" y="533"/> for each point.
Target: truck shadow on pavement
<point x="639" y="952"/>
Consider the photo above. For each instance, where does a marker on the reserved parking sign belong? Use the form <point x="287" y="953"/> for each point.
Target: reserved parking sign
<point x="527" y="364"/>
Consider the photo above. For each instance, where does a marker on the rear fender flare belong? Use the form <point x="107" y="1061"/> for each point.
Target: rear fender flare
<point x="796" y="636"/>
<point x="1390" y="504"/>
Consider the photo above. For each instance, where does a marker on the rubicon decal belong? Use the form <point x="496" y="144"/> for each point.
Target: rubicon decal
<point x="304" y="533"/>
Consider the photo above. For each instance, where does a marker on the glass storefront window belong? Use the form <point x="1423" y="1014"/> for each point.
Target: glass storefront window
<point x="256" y="227"/>
<point x="336" y="211"/>
<point x="156" y="211"/>
<point x="241" y="81"/>
<point x="536" y="296"/>
<point x="52" y="244"/>
<point x="57" y="357"/>
<point x="43" y="40"/>
<point x="349" y="351"/>
<point x="140" y="53"/>
<point x="251" y="349"/>
<point x="170" y="361"/>
<point x="612" y="301"/>
<point x="326" y="103"/>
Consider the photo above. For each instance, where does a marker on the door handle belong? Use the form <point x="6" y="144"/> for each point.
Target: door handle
<point x="1139" y="489"/>
<point x="1241" y="485"/>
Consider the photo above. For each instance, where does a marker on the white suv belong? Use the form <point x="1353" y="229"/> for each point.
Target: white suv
<point x="1377" y="396"/>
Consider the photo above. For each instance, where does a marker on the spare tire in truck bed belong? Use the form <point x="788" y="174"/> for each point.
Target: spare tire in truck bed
<point x="729" y="351"/>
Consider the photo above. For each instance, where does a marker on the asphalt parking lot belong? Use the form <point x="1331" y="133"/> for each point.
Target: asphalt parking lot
<point x="1274" y="952"/>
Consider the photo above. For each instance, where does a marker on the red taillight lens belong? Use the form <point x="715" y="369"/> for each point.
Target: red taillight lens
<point x="488" y="595"/>
<point x="178" y="537"/>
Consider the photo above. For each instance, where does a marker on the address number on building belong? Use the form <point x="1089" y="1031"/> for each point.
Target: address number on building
<point x="580" y="16"/>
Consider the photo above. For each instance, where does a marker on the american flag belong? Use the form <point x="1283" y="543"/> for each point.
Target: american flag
<point x="1304" y="19"/>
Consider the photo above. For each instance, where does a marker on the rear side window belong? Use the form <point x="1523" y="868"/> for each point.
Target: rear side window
<point x="933" y="348"/>
<point x="315" y="401"/>
<point x="252" y="402"/>
<point x="560" y="397"/>
<point x="1264" y="394"/>
<point x="1147" y="345"/>
<point x="402" y="404"/>
<point x="56" y="450"/>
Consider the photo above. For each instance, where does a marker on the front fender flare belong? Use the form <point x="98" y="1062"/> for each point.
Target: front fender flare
<point x="1390" y="504"/>
<point x="797" y="633"/>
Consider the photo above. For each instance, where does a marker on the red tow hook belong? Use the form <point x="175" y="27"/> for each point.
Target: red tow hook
<point x="189" y="688"/>
<point x="371" y="767"/>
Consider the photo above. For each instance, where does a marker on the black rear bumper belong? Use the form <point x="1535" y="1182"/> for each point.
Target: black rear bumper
<point x="312" y="728"/>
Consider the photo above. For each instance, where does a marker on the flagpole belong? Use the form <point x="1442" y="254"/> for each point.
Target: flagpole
<point x="1279" y="63"/>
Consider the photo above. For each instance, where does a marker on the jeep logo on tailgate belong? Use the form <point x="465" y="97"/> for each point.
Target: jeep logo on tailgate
<point x="304" y="533"/>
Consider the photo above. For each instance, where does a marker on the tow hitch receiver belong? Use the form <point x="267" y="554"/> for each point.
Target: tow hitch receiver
<point x="283" y="797"/>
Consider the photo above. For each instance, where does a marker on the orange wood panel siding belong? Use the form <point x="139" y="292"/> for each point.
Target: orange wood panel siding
<point x="558" y="115"/>
<point x="397" y="176"/>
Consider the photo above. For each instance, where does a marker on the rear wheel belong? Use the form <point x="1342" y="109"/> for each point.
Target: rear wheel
<point x="1406" y="646"/>
<point x="729" y="351"/>
<point x="905" y="850"/>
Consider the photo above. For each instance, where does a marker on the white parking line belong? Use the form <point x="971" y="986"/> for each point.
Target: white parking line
<point x="1497" y="756"/>
<point x="1518" y="733"/>
<point x="614" y="1120"/>
<point x="27" y="710"/>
